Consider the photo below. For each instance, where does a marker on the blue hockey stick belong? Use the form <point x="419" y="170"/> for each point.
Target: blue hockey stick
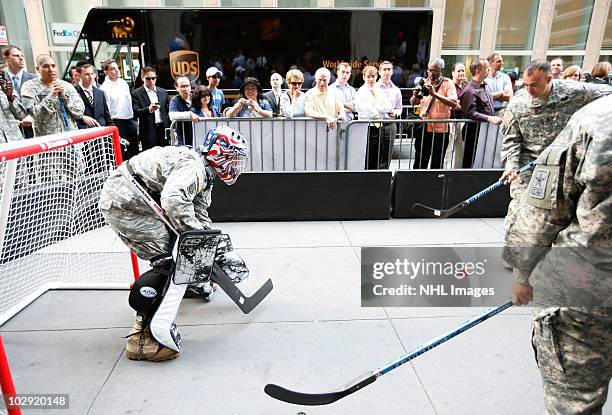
<point x="445" y="213"/>
<point x="300" y="398"/>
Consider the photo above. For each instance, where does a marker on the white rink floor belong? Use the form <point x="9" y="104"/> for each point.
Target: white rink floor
<point x="310" y="334"/>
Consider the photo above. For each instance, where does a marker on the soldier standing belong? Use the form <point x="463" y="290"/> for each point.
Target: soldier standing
<point x="560" y="246"/>
<point x="9" y="113"/>
<point x="534" y="117"/>
<point x="54" y="104"/>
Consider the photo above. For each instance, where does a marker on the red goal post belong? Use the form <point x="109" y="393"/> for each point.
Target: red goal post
<point x="52" y="234"/>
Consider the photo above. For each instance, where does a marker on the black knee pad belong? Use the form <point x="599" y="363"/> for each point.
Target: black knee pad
<point x="147" y="292"/>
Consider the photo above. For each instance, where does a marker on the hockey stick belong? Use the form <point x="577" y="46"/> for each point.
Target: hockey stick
<point x="246" y="304"/>
<point x="299" y="398"/>
<point x="445" y="213"/>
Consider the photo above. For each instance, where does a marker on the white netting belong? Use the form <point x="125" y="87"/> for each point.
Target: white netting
<point x="54" y="234"/>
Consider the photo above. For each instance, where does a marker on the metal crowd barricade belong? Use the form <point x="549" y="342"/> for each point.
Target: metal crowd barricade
<point x="282" y="144"/>
<point x="405" y="136"/>
<point x="304" y="144"/>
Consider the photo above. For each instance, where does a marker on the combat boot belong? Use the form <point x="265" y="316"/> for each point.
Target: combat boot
<point x="142" y="346"/>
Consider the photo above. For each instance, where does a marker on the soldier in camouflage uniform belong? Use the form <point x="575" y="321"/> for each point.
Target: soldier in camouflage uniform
<point x="9" y="112"/>
<point x="53" y="103"/>
<point x="534" y="117"/>
<point x="180" y="179"/>
<point x="560" y="246"/>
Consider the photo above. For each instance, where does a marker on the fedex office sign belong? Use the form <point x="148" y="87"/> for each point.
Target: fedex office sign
<point x="65" y="33"/>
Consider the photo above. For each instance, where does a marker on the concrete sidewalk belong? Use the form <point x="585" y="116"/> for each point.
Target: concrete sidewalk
<point x="310" y="334"/>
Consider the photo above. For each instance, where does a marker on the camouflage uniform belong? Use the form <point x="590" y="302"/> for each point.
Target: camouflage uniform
<point x="561" y="243"/>
<point x="48" y="117"/>
<point x="179" y="178"/>
<point x="9" y="112"/>
<point x="530" y="125"/>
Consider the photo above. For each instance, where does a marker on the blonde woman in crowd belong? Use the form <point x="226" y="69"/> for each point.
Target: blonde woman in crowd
<point x="572" y="73"/>
<point x="292" y="100"/>
<point x="371" y="103"/>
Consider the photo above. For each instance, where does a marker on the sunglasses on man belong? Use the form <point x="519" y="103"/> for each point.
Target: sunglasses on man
<point x="150" y="78"/>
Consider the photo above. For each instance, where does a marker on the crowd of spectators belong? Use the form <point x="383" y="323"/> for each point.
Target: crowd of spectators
<point x="144" y="114"/>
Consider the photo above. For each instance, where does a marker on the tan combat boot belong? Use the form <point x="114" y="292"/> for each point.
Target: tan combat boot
<point x="142" y="346"/>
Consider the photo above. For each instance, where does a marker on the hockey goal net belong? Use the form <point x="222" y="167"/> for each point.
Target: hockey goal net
<point x="52" y="234"/>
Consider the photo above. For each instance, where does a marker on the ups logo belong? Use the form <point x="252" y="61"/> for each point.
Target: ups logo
<point x="185" y="63"/>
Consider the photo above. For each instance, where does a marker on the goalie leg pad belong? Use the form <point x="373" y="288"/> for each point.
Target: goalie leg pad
<point x="162" y="325"/>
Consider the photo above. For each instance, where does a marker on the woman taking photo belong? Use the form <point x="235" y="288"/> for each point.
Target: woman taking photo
<point x="250" y="103"/>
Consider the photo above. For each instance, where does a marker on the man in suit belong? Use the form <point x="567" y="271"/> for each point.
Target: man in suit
<point x="96" y="109"/>
<point x="151" y="106"/>
<point x="16" y="73"/>
<point x="273" y="96"/>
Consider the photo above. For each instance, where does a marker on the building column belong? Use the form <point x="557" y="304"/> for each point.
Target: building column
<point x="488" y="29"/>
<point x="36" y="26"/>
<point x="212" y="3"/>
<point x="325" y="4"/>
<point x="546" y="12"/>
<point x="269" y="3"/>
<point x="437" y="28"/>
<point x="597" y="29"/>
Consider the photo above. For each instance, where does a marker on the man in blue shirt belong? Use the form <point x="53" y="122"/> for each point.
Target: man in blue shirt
<point x="499" y="83"/>
<point x="213" y="74"/>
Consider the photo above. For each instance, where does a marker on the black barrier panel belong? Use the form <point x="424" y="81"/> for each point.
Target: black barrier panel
<point x="333" y="195"/>
<point x="445" y="188"/>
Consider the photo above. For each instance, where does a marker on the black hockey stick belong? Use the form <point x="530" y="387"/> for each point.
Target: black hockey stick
<point x="445" y="213"/>
<point x="246" y="304"/>
<point x="299" y="398"/>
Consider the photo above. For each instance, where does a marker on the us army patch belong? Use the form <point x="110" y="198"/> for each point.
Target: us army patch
<point x="538" y="184"/>
<point x="192" y="189"/>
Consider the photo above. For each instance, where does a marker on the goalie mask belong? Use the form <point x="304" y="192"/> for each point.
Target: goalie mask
<point x="226" y="150"/>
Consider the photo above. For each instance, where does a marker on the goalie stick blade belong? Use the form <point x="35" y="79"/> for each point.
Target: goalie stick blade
<point x="438" y="213"/>
<point x="314" y="399"/>
<point x="246" y="304"/>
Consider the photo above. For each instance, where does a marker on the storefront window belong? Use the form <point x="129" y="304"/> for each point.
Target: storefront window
<point x="125" y="3"/>
<point x="607" y="40"/>
<point x="354" y="3"/>
<point x="516" y="63"/>
<point x="240" y="3"/>
<point x="570" y="26"/>
<point x="410" y="3"/>
<point x="516" y="24"/>
<point x="462" y="22"/>
<point x="450" y="60"/>
<point x="297" y="3"/>
<point x="182" y="3"/>
<point x="12" y="15"/>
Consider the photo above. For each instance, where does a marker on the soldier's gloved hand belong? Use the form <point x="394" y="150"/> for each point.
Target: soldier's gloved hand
<point x="522" y="293"/>
<point x="509" y="175"/>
